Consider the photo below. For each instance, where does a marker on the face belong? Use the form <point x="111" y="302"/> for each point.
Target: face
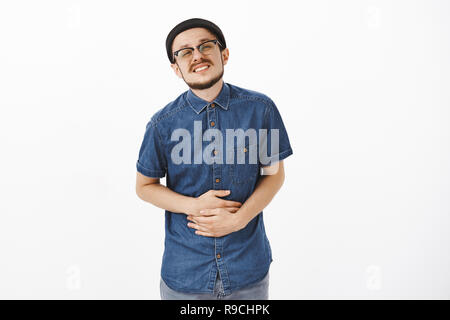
<point x="214" y="60"/>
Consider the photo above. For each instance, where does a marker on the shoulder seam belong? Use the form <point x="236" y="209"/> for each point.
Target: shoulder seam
<point x="267" y="100"/>
<point x="161" y="117"/>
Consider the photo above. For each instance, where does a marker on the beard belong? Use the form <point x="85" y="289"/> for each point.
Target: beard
<point x="207" y="84"/>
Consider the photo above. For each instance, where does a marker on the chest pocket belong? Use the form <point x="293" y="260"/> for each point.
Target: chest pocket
<point x="245" y="167"/>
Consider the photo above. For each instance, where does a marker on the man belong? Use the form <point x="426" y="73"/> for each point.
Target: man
<point x="215" y="242"/>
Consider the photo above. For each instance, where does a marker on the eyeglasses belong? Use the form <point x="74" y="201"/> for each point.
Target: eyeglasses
<point x="206" y="47"/>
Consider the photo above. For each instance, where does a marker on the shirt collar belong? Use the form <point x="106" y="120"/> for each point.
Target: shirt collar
<point x="198" y="104"/>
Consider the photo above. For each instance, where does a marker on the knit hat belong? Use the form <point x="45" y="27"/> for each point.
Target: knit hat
<point x="189" y="24"/>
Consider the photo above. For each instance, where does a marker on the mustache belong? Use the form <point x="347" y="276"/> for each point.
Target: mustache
<point x="193" y="67"/>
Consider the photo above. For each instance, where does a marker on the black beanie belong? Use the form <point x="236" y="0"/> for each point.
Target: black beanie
<point x="189" y="24"/>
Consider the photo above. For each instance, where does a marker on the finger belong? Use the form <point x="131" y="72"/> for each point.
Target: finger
<point x="197" y="227"/>
<point x="192" y="219"/>
<point x="205" y="234"/>
<point x="230" y="203"/>
<point x="232" y="209"/>
<point x="208" y="212"/>
<point x="204" y="220"/>
<point x="221" y="193"/>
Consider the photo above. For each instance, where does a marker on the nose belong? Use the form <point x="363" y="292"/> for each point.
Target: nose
<point x="196" y="55"/>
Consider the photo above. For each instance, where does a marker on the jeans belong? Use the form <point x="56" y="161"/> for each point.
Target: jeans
<point x="256" y="291"/>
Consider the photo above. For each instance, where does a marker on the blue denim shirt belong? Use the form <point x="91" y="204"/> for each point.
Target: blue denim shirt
<point x="190" y="262"/>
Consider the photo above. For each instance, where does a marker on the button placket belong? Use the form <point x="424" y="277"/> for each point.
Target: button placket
<point x="212" y="124"/>
<point x="221" y="265"/>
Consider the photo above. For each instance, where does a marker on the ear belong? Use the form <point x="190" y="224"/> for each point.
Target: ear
<point x="176" y="69"/>
<point x="225" y="54"/>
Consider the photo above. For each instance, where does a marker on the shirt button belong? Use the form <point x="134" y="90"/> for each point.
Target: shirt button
<point x="212" y="123"/>
<point x="217" y="180"/>
<point x="245" y="149"/>
<point x="216" y="152"/>
<point x="218" y="256"/>
<point x="213" y="105"/>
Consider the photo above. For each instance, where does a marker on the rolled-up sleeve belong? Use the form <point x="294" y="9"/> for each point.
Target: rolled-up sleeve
<point x="275" y="128"/>
<point x="152" y="160"/>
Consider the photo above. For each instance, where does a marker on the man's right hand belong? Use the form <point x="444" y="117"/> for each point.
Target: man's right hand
<point x="211" y="200"/>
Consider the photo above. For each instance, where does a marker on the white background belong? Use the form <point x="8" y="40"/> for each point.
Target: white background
<point x="363" y="89"/>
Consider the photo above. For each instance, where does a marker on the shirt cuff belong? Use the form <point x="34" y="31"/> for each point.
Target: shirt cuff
<point x="149" y="173"/>
<point x="280" y="156"/>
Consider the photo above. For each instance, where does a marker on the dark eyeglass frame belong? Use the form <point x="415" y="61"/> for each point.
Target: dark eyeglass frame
<point x="175" y="53"/>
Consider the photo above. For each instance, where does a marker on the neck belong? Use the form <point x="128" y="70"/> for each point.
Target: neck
<point x="211" y="93"/>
